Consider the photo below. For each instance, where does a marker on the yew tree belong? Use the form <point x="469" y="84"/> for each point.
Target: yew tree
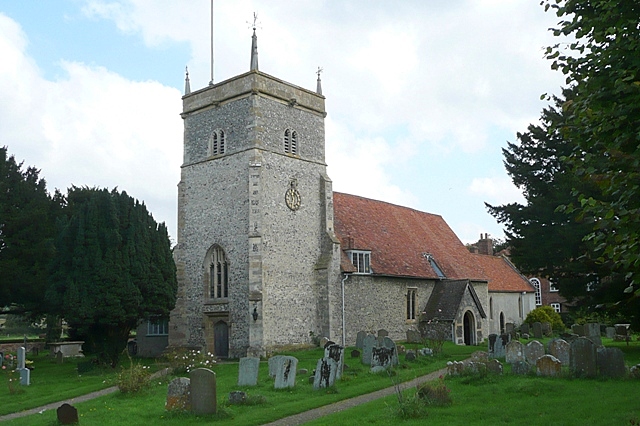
<point x="113" y="268"/>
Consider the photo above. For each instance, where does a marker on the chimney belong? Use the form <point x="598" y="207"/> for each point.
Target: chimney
<point x="485" y="245"/>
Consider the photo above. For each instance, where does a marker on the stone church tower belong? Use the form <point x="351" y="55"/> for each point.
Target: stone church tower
<point x="257" y="258"/>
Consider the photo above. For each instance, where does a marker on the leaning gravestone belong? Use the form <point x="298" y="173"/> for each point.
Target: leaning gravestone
<point x="367" y="348"/>
<point x="533" y="351"/>
<point x="548" y="365"/>
<point x="360" y="339"/>
<point x="611" y="362"/>
<point x="559" y="348"/>
<point x="537" y="330"/>
<point x="582" y="359"/>
<point x="336" y="353"/>
<point x="248" y="371"/>
<point x="325" y="373"/>
<point x="203" y="391"/>
<point x="514" y="352"/>
<point x="179" y="395"/>
<point x="273" y="363"/>
<point x="286" y="372"/>
<point x="67" y="414"/>
<point x="520" y="368"/>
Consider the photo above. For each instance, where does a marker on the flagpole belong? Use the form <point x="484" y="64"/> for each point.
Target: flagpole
<point x="211" y="82"/>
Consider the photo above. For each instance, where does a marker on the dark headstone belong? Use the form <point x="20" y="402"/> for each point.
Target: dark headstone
<point x="67" y="414"/>
<point x="336" y="353"/>
<point x="524" y="328"/>
<point x="355" y="353"/>
<point x="367" y="348"/>
<point x="59" y="357"/>
<point x="410" y="356"/>
<point x="610" y="332"/>
<point x="494" y="366"/>
<point x="578" y="329"/>
<point x="537" y="330"/>
<point x="413" y="336"/>
<point x="391" y="345"/>
<point x="582" y="359"/>
<point x="546" y="329"/>
<point x="611" y="362"/>
<point x="303" y="371"/>
<point x="328" y="343"/>
<point x="203" y="391"/>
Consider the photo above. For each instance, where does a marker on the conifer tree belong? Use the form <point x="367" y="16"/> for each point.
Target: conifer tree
<point x="113" y="268"/>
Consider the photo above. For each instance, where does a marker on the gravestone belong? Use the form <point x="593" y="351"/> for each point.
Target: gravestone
<point x="336" y="353"/>
<point x="455" y="368"/>
<point x="303" y="371"/>
<point x="537" y="330"/>
<point x="548" y="365"/>
<point x="622" y="332"/>
<point x="59" y="357"/>
<point x="203" y="391"/>
<point x="559" y="348"/>
<point x="367" y="348"/>
<point x="273" y="363"/>
<point x="401" y="349"/>
<point x="524" y="328"/>
<point x="611" y="362"/>
<point x="578" y="329"/>
<point x="382" y="357"/>
<point x="286" y="372"/>
<point x="67" y="414"/>
<point x="582" y="358"/>
<point x="494" y="366"/>
<point x="324" y="341"/>
<point x="360" y="339"/>
<point x="413" y="336"/>
<point x="410" y="356"/>
<point x="610" y="332"/>
<point x="382" y="333"/>
<point x="520" y="368"/>
<point x="237" y="397"/>
<point x="179" y="394"/>
<point x="546" y="329"/>
<point x="425" y="352"/>
<point x="25" y="373"/>
<point x="497" y="345"/>
<point x="514" y="352"/>
<point x="391" y="345"/>
<point x="325" y="373"/>
<point x="481" y="356"/>
<point x="355" y="353"/>
<point x="248" y="371"/>
<point x="592" y="332"/>
<point x="532" y="351"/>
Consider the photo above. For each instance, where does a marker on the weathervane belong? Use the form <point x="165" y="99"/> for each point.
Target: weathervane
<point x="255" y="22"/>
<point x="319" y="71"/>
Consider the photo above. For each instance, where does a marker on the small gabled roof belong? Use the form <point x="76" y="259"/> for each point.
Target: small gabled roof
<point x="445" y="299"/>
<point x="401" y="239"/>
<point x="502" y="275"/>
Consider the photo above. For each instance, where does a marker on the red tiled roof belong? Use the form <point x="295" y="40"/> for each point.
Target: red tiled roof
<point x="399" y="237"/>
<point x="502" y="275"/>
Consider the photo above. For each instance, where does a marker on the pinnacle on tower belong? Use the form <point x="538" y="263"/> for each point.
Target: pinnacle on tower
<point x="254" y="46"/>
<point x="187" y="84"/>
<point x="319" y="85"/>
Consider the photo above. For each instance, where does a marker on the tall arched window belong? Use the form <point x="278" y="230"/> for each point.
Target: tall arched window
<point x="218" y="274"/>
<point x="536" y="284"/>
<point x="217" y="143"/>
<point x="491" y="308"/>
<point x="291" y="141"/>
<point x="411" y="304"/>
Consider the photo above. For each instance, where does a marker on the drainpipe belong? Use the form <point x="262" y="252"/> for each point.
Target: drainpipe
<point x="344" y="333"/>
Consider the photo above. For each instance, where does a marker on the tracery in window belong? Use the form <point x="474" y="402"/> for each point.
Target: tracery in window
<point x="217" y="143"/>
<point x="218" y="274"/>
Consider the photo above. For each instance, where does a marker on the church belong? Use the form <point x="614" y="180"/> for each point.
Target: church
<point x="269" y="256"/>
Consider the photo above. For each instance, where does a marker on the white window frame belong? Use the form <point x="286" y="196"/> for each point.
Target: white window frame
<point x="556" y="307"/>
<point x="535" y="282"/>
<point x="552" y="288"/>
<point x="157" y="326"/>
<point x="361" y="259"/>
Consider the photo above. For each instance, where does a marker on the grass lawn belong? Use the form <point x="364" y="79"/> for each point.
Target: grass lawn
<point x="492" y="400"/>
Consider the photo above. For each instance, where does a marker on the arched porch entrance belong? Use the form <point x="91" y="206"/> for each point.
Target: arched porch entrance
<point x="469" y="324"/>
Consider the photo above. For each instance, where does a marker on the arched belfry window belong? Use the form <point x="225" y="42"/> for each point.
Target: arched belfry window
<point x="217" y="273"/>
<point x="217" y="143"/>
<point x="291" y="141"/>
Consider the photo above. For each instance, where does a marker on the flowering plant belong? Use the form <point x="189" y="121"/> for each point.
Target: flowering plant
<point x="184" y="360"/>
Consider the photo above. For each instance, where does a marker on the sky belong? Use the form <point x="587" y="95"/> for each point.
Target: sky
<point x="421" y="95"/>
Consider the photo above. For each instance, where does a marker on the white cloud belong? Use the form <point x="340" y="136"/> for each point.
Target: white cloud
<point x="496" y="190"/>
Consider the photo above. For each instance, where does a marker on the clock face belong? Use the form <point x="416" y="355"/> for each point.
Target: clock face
<point x="292" y="198"/>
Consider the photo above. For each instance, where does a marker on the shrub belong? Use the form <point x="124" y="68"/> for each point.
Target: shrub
<point x="435" y="393"/>
<point x="545" y="314"/>
<point x="184" y="360"/>
<point x="133" y="379"/>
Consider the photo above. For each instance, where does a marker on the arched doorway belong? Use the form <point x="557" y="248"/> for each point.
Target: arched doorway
<point x="221" y="339"/>
<point x="469" y="324"/>
<point x="501" y="322"/>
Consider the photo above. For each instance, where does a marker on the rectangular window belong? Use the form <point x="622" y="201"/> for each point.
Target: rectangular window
<point x="552" y="288"/>
<point x="556" y="307"/>
<point x="157" y="326"/>
<point x="411" y="304"/>
<point x="361" y="260"/>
